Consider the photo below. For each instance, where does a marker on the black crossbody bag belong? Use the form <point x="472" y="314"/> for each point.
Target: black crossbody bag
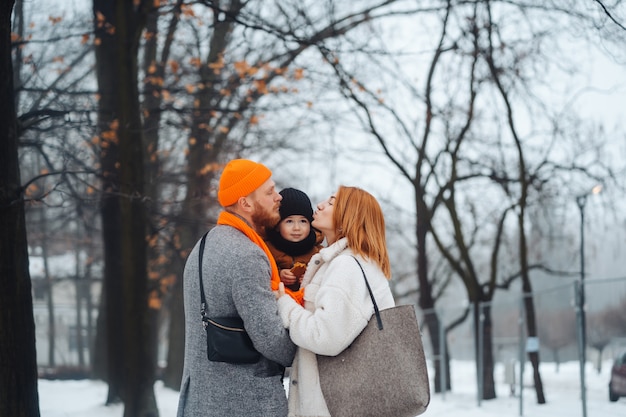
<point x="227" y="340"/>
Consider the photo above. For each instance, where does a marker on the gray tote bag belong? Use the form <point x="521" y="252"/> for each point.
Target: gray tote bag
<point x="383" y="372"/>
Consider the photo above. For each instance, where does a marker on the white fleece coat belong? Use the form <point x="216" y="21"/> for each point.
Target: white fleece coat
<point x="337" y="307"/>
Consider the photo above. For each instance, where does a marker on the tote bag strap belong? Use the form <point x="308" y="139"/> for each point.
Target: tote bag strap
<point x="205" y="318"/>
<point x="369" y="289"/>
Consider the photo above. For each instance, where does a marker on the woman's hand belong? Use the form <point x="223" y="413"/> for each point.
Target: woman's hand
<point x="281" y="290"/>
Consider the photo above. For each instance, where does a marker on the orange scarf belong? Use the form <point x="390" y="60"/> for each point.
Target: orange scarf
<point x="229" y="219"/>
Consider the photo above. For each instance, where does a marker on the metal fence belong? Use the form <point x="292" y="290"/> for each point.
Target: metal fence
<point x="560" y="335"/>
<point x="592" y="335"/>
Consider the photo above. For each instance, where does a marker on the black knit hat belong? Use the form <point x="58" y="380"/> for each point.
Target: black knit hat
<point x="295" y="202"/>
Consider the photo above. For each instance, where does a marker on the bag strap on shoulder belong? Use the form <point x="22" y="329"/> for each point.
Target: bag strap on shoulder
<point x="369" y="289"/>
<point x="203" y="306"/>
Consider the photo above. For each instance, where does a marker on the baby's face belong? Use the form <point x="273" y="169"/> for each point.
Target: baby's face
<point x="294" y="228"/>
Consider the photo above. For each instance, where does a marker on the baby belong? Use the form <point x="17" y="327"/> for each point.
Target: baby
<point x="293" y="241"/>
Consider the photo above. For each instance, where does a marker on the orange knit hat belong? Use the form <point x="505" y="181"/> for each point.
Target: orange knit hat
<point x="239" y="178"/>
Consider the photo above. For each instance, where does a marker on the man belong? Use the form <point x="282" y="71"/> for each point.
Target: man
<point x="237" y="270"/>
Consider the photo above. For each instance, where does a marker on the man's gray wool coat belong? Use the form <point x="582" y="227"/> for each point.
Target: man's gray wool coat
<point x="236" y="277"/>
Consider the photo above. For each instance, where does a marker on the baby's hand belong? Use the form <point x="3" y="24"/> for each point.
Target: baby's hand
<point x="287" y="277"/>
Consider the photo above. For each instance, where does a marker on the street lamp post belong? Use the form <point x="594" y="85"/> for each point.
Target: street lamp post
<point x="581" y="200"/>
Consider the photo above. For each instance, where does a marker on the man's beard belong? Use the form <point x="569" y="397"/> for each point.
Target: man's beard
<point x="265" y="219"/>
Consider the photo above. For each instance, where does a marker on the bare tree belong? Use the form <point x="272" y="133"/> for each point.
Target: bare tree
<point x="467" y="144"/>
<point x="557" y="330"/>
<point x="129" y="328"/>
<point x="52" y="94"/>
<point x="599" y="335"/>
<point x="614" y="317"/>
<point x="243" y="58"/>
<point x="430" y="191"/>
<point x="604" y="325"/>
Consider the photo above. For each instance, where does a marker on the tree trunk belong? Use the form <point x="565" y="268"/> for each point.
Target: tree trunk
<point x="79" y="288"/>
<point x="130" y="330"/>
<point x="483" y="348"/>
<point x="18" y="358"/>
<point x="489" y="386"/>
<point x="173" y="372"/>
<point x="529" y="305"/>
<point x="99" y="358"/>
<point x="531" y="329"/>
<point x="49" y="290"/>
<point x="426" y="301"/>
<point x="154" y="68"/>
<point x="88" y="301"/>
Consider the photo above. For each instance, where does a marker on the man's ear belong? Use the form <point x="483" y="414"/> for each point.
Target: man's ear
<point x="244" y="204"/>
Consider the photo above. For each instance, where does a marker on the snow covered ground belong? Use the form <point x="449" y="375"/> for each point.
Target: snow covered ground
<point x="86" y="398"/>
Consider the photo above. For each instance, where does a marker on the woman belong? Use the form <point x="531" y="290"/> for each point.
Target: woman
<point x="337" y="305"/>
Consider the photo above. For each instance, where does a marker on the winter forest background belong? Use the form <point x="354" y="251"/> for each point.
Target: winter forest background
<point x="492" y="132"/>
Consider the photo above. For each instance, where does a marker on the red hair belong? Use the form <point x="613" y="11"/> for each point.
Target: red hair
<point x="358" y="217"/>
